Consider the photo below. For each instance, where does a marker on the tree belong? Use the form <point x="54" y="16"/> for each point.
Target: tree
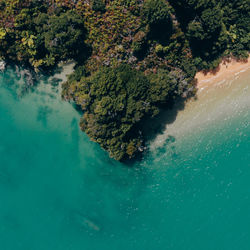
<point x="98" y="5"/>
<point x="156" y="14"/>
<point x="115" y="101"/>
<point x="65" y="36"/>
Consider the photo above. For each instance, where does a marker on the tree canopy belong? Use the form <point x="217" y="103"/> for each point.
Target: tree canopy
<point x="40" y="38"/>
<point x="132" y="57"/>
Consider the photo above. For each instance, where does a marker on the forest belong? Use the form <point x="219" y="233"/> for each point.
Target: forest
<point x="133" y="57"/>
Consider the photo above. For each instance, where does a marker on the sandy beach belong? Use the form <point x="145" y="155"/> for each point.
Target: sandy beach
<point x="225" y="71"/>
<point x="219" y="96"/>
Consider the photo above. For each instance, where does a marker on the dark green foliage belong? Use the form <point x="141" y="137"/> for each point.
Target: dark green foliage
<point x="79" y="72"/>
<point x="133" y="5"/>
<point x="195" y="31"/>
<point x="156" y="14"/>
<point x="214" y="28"/>
<point x="41" y="39"/>
<point x="115" y="101"/>
<point x="165" y="86"/>
<point x="236" y="17"/>
<point x="212" y="20"/>
<point x="65" y="35"/>
<point x="139" y="44"/>
<point x="163" y="43"/>
<point x="2" y="5"/>
<point x="98" y="5"/>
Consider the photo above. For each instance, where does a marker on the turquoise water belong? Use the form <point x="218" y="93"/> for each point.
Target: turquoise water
<point x="60" y="191"/>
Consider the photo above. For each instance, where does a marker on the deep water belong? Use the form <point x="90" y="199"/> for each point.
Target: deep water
<point x="60" y="191"/>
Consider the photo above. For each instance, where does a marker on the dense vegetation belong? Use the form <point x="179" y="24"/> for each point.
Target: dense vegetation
<point x="36" y="33"/>
<point x="133" y="57"/>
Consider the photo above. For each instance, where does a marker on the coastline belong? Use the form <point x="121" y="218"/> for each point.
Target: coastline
<point x="227" y="70"/>
<point x="66" y="68"/>
<point x="221" y="94"/>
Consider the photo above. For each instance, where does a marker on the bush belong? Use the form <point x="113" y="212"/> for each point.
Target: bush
<point x="98" y="5"/>
<point x="115" y="101"/>
<point x="139" y="44"/>
<point x="65" y="37"/>
<point x="156" y="14"/>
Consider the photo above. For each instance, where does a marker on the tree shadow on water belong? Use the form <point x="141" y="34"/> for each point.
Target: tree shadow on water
<point x="153" y="127"/>
<point x="157" y="125"/>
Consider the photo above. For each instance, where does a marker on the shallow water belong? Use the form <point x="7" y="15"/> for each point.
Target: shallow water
<point x="60" y="191"/>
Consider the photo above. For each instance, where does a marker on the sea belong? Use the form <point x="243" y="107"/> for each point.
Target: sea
<point x="61" y="191"/>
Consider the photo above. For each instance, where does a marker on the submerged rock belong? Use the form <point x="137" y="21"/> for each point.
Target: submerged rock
<point x="86" y="222"/>
<point x="29" y="77"/>
<point x="2" y="65"/>
<point x="90" y="225"/>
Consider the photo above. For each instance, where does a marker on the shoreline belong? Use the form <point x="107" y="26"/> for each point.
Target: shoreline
<point x="226" y="70"/>
<point x="220" y="96"/>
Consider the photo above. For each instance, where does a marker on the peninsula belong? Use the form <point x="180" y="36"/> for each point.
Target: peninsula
<point x="133" y="57"/>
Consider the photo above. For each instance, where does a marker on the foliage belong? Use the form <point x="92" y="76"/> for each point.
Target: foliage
<point x="157" y="15"/>
<point x="39" y="38"/>
<point x="98" y="5"/>
<point x="156" y="12"/>
<point x="211" y="28"/>
<point x="163" y="44"/>
<point x="115" y="101"/>
<point x="65" y="35"/>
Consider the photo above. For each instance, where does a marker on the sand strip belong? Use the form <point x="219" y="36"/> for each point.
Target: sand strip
<point x="225" y="71"/>
<point x="221" y="95"/>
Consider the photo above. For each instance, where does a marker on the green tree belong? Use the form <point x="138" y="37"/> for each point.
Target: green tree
<point x="98" y="5"/>
<point x="157" y="15"/>
<point x="65" y="36"/>
<point x="115" y="101"/>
